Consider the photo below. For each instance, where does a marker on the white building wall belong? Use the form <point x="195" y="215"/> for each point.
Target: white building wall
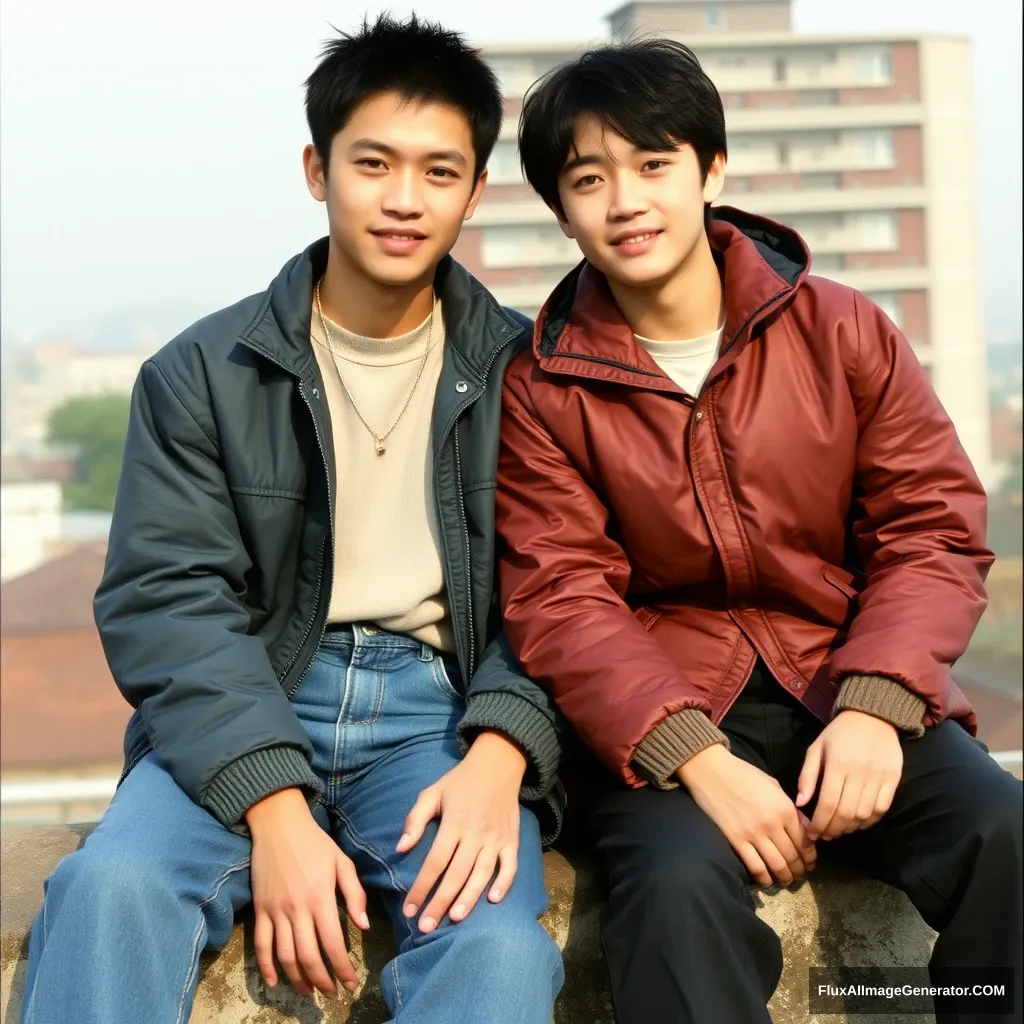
<point x="30" y="524"/>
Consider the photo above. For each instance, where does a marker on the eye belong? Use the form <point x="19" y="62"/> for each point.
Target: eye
<point x="442" y="172"/>
<point x="586" y="180"/>
<point x="371" y="162"/>
<point x="655" y="165"/>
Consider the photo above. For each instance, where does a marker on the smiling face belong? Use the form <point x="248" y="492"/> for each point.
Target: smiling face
<point x="636" y="215"/>
<point x="399" y="185"/>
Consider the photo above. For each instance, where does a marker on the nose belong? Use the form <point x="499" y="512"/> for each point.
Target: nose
<point x="402" y="197"/>
<point x="628" y="200"/>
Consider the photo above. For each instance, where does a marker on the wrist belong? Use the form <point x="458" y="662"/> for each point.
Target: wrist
<point x="267" y="814"/>
<point x="498" y="748"/>
<point x="707" y="761"/>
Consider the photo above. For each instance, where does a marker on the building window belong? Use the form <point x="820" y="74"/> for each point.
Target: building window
<point x="714" y="17"/>
<point x="876" y="149"/>
<point x="503" y="167"/>
<point x="889" y="303"/>
<point x="779" y="69"/>
<point x="874" y="65"/>
<point x="514" y="76"/>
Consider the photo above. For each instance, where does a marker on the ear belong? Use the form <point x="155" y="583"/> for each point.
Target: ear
<point x="478" y="191"/>
<point x="563" y="224"/>
<point x="715" y="181"/>
<point x="316" y="173"/>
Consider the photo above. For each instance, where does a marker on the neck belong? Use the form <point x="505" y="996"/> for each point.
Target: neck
<point x="685" y="305"/>
<point x="369" y="308"/>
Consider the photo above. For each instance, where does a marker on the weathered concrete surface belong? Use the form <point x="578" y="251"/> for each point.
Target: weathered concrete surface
<point x="833" y="920"/>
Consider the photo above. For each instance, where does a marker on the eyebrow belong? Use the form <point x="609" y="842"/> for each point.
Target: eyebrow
<point x="584" y="159"/>
<point x="443" y="155"/>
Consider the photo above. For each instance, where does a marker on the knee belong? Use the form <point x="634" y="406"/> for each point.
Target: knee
<point x="108" y="886"/>
<point x="669" y="878"/>
<point x="506" y="942"/>
<point x="998" y="821"/>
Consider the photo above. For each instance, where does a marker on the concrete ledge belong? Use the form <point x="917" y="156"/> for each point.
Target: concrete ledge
<point x="833" y="920"/>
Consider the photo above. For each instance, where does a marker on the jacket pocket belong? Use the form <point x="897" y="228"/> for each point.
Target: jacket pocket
<point x="842" y="580"/>
<point x="646" y="617"/>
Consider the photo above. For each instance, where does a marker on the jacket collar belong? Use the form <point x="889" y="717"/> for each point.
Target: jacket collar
<point x="477" y="327"/>
<point x="580" y="329"/>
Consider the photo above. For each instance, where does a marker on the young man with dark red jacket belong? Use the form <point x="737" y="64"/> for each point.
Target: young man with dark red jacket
<point x="742" y="546"/>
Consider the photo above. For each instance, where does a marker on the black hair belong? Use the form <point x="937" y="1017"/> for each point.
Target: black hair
<point x="652" y="92"/>
<point x="417" y="59"/>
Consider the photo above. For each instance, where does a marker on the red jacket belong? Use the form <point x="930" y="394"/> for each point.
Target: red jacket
<point x="813" y="505"/>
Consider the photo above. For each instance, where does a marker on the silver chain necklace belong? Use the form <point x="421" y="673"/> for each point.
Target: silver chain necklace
<point x="379" y="440"/>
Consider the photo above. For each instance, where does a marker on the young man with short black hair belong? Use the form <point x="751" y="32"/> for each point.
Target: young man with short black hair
<point x="299" y="601"/>
<point x="742" y="547"/>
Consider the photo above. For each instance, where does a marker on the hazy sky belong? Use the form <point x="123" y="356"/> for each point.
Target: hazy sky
<point x="150" y="152"/>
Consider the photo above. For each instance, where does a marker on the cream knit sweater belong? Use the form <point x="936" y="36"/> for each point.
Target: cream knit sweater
<point x="387" y="558"/>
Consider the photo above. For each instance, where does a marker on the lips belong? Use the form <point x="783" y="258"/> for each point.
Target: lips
<point x="398" y="241"/>
<point x="636" y="241"/>
<point x="636" y="236"/>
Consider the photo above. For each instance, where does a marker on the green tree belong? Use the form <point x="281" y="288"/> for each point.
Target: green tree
<point x="1013" y="482"/>
<point x="93" y="428"/>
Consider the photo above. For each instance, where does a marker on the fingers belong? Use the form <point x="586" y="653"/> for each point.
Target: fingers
<point x="483" y="872"/>
<point x="328" y="928"/>
<point x="352" y="892"/>
<point x="263" y="942"/>
<point x="426" y="808"/>
<point x="809" y="774"/>
<point x="508" y="861"/>
<point x="883" y="801"/>
<point x="286" y="957"/>
<point x="455" y="877"/>
<point x="844" y="819"/>
<point x="755" y="866"/>
<point x="828" y="802"/>
<point x="307" y="952"/>
<point x="774" y="860"/>
<point x="796" y="829"/>
<point x="436" y="862"/>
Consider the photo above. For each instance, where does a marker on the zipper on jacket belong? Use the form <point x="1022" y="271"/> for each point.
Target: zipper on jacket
<point x="463" y="522"/>
<point x="465" y="539"/>
<point x="134" y="761"/>
<point x="320" y="566"/>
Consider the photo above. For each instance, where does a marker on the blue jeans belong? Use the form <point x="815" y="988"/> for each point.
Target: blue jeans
<point x="126" y="917"/>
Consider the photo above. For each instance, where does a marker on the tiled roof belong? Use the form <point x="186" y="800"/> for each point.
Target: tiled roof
<point x="55" y="597"/>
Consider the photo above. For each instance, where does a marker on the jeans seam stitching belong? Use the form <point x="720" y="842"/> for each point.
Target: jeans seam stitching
<point x="364" y="845"/>
<point x="398" y="987"/>
<point x="194" y="960"/>
<point x="440" y="674"/>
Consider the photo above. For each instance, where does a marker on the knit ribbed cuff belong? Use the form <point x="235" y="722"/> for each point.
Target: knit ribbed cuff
<point x="672" y="743"/>
<point x="242" y="783"/>
<point x="884" y="698"/>
<point x="523" y="723"/>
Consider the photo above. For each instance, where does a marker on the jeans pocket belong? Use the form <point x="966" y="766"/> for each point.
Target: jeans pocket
<point x="444" y="683"/>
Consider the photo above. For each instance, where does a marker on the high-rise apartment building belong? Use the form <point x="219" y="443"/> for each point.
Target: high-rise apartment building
<point x="865" y="145"/>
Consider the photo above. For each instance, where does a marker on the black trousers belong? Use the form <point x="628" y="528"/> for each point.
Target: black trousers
<point x="682" y="940"/>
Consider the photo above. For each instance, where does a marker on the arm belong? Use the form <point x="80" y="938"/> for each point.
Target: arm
<point x="563" y="581"/>
<point x="173" y="627"/>
<point x="501" y="698"/>
<point x="919" y="527"/>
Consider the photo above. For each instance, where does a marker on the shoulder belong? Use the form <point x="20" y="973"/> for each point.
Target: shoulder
<point x="210" y="339"/>
<point x="184" y="365"/>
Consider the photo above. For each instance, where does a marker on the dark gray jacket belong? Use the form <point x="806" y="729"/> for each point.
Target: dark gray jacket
<point x="218" y="575"/>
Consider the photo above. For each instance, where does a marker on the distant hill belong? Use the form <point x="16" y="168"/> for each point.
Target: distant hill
<point x="143" y="327"/>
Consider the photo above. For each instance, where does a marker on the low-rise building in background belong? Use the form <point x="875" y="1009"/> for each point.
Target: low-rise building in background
<point x="863" y="144"/>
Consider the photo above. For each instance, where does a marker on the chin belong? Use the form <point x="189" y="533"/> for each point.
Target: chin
<point x="638" y="273"/>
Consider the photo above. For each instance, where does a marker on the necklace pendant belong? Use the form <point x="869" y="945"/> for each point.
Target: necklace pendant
<point x="379" y="447"/>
